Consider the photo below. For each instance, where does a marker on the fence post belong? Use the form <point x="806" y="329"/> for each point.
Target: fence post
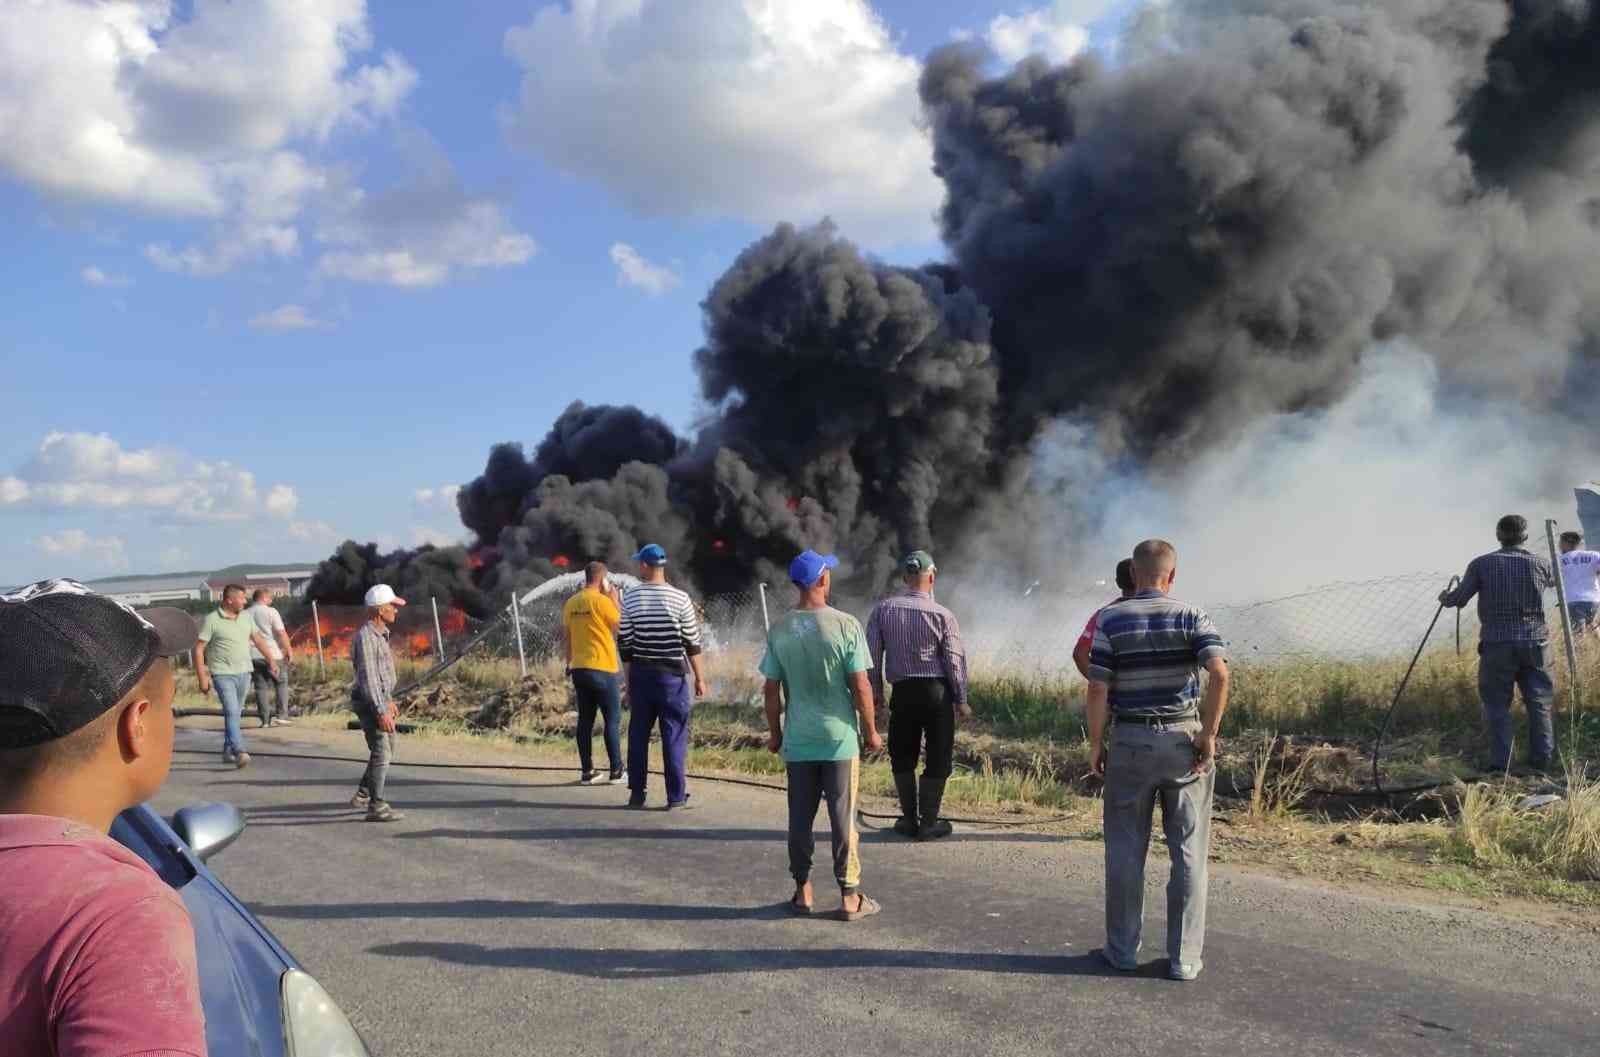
<point x="516" y="622"/>
<point x="1566" y="628"/>
<point x="765" y="622"/>
<point x="438" y="636"/>
<point x="316" y="627"/>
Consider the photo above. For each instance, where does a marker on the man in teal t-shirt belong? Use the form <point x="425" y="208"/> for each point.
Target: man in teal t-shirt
<point x="817" y="658"/>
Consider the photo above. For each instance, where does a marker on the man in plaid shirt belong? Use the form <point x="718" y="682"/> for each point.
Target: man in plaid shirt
<point x="1513" y="643"/>
<point x="372" y="698"/>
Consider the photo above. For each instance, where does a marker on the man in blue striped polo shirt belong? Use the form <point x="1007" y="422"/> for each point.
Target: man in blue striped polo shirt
<point x="1144" y="683"/>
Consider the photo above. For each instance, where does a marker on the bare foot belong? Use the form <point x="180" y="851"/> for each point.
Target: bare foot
<point x="802" y="896"/>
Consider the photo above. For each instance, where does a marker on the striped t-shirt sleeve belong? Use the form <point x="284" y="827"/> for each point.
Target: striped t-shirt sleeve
<point x="1205" y="638"/>
<point x="688" y="625"/>
<point x="1102" y="658"/>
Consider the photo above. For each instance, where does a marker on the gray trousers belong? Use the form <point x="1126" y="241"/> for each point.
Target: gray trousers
<point x="1501" y="667"/>
<point x="269" y="688"/>
<point x="811" y="783"/>
<point x="380" y="748"/>
<point x="1145" y="764"/>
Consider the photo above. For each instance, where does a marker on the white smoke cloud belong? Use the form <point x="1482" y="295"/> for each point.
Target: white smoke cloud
<point x="747" y="109"/>
<point x="1403" y="475"/>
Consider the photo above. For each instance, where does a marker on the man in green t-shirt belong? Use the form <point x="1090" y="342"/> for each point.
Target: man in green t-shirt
<point x="817" y="660"/>
<point x="222" y="659"/>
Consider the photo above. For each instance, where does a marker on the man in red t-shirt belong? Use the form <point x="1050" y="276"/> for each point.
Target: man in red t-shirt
<point x="1080" y="652"/>
<point x="97" y="955"/>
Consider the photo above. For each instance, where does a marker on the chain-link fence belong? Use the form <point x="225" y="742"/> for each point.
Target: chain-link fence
<point x="1372" y="619"/>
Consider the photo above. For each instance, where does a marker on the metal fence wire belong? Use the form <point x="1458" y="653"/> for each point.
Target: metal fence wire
<point x="1370" y="619"/>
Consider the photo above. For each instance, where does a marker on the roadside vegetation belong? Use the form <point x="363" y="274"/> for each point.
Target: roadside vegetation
<point x="1296" y="732"/>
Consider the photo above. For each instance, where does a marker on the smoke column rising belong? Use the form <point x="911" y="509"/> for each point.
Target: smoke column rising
<point x="1281" y="251"/>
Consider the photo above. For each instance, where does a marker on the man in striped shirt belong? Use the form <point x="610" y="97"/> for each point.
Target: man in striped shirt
<point x="1513" y="642"/>
<point x="916" y="645"/>
<point x="1144" y="678"/>
<point x="658" y="640"/>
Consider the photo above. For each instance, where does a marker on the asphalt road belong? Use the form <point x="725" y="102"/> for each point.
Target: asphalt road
<point x="523" y="914"/>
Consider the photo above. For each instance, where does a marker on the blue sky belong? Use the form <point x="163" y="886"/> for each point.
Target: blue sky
<point x="277" y="267"/>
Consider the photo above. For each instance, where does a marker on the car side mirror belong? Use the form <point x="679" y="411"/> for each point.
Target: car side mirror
<point x="208" y="828"/>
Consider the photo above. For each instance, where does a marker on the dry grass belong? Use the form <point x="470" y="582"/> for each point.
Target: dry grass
<point x="1561" y="839"/>
<point x="1279" y="780"/>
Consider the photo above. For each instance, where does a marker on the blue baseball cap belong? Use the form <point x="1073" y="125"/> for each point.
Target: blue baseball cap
<point x="809" y="567"/>
<point x="651" y="554"/>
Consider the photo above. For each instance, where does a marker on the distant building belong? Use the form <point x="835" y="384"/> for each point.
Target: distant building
<point x="1589" y="511"/>
<point x="153" y="590"/>
<point x="290" y="584"/>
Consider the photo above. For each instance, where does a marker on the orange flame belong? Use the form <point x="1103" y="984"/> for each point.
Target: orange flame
<point x="561" y="561"/>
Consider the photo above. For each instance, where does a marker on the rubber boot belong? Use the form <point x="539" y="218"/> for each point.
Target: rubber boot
<point x="931" y="791"/>
<point x="906" y="786"/>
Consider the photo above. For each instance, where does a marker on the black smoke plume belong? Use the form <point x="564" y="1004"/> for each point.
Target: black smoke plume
<point x="1217" y="227"/>
<point x="443" y="573"/>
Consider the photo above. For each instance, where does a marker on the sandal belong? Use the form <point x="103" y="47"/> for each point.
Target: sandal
<point x="797" y="908"/>
<point x="864" y="909"/>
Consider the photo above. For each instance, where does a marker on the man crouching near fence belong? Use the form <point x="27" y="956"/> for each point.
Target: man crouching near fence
<point x="1144" y="678"/>
<point x="372" y="698"/>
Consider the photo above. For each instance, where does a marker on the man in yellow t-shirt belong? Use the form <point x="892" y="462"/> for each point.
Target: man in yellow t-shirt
<point x="589" y="623"/>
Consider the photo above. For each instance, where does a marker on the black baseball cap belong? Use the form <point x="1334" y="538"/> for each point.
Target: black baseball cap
<point x="68" y="655"/>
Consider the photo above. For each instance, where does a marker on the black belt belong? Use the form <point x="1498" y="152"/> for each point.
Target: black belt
<point x="1154" y="721"/>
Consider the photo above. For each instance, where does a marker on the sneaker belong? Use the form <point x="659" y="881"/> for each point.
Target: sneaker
<point x="361" y="800"/>
<point x="283" y="721"/>
<point x="935" y="829"/>
<point x="382" y="812"/>
<point x="229" y="756"/>
<point x="616" y="778"/>
<point x="242" y="761"/>
<point x="1184" y="971"/>
<point x="680" y="805"/>
<point x="636" y="802"/>
<point x="906" y="827"/>
<point x="588" y="777"/>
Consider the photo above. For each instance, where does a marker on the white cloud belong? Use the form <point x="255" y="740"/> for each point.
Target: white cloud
<point x="108" y="552"/>
<point x="95" y="277"/>
<point x="1058" y="31"/>
<point x="441" y="498"/>
<point x="751" y="109"/>
<point x="318" y="532"/>
<point x="285" y="317"/>
<point x="121" y="102"/>
<point x="94" y="471"/>
<point x="633" y="270"/>
<point x="419" y="234"/>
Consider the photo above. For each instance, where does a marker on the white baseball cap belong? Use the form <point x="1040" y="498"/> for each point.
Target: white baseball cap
<point x="382" y="595"/>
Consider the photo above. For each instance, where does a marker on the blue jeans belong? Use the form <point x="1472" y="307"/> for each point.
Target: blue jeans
<point x="658" y="696"/>
<point x="598" y="692"/>
<point x="1503" y="666"/>
<point x="231" y="691"/>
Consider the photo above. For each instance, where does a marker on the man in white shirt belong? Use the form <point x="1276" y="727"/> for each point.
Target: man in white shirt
<point x="1580" y="576"/>
<point x="271" y="687"/>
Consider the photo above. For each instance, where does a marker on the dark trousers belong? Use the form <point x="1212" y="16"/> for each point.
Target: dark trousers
<point x="597" y="692"/>
<point x="380" y="750"/>
<point x="1503" y="666"/>
<point x="271" y="689"/>
<point x="810" y="783"/>
<point x="658" y="696"/>
<point x="922" y="708"/>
